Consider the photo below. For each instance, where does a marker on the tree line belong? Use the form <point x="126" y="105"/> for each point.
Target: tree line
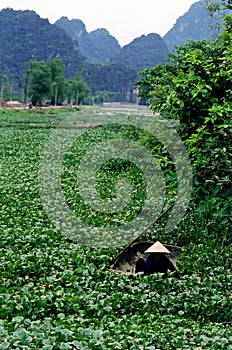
<point x="46" y="81"/>
<point x="194" y="86"/>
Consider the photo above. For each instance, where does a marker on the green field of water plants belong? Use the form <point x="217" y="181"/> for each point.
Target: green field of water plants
<point x="59" y="293"/>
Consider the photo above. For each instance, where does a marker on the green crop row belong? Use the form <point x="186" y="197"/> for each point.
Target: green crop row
<point x="58" y="294"/>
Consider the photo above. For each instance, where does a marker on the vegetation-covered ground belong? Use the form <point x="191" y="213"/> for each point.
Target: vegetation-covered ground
<point x="58" y="294"/>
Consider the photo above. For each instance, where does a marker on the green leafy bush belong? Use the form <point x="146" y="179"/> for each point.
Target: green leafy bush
<point x="195" y="88"/>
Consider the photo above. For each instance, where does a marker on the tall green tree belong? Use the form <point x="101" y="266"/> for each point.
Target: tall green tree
<point x="57" y="69"/>
<point x="101" y="96"/>
<point x="77" y="91"/>
<point x="6" y="93"/>
<point x="39" y="82"/>
<point x="195" y="87"/>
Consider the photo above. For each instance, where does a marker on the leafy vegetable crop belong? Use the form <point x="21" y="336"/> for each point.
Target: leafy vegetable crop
<point x="57" y="294"/>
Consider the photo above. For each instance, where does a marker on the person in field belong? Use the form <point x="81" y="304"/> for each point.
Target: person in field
<point x="157" y="260"/>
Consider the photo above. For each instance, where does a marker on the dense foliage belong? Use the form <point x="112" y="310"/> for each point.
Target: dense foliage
<point x="112" y="78"/>
<point x="56" y="294"/>
<point x="46" y="81"/>
<point x="195" y="88"/>
<point x="6" y="91"/>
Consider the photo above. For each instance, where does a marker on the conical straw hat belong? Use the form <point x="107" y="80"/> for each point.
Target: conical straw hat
<point x="157" y="247"/>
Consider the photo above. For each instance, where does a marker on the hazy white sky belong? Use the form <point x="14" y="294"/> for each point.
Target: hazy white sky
<point x="124" y="19"/>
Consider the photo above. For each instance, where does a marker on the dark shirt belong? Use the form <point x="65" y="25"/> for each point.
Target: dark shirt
<point x="140" y="266"/>
<point x="158" y="263"/>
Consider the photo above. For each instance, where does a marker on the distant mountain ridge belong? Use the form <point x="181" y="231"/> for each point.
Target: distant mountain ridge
<point x="196" y="24"/>
<point x="145" y="51"/>
<point x="97" y="46"/>
<point x="25" y="36"/>
<point x="97" y="55"/>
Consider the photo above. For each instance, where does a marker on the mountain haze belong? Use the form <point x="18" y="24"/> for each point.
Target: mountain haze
<point x="145" y="51"/>
<point x="112" y="78"/>
<point x="196" y="24"/>
<point x="97" y="55"/>
<point x="24" y="36"/>
<point x="97" y="46"/>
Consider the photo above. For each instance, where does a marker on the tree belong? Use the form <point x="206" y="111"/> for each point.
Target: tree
<point x="195" y="86"/>
<point x="101" y="96"/>
<point x="219" y="5"/>
<point x="47" y="81"/>
<point x="57" y="69"/>
<point x="77" y="91"/>
<point x="39" y="82"/>
<point x="6" y="88"/>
